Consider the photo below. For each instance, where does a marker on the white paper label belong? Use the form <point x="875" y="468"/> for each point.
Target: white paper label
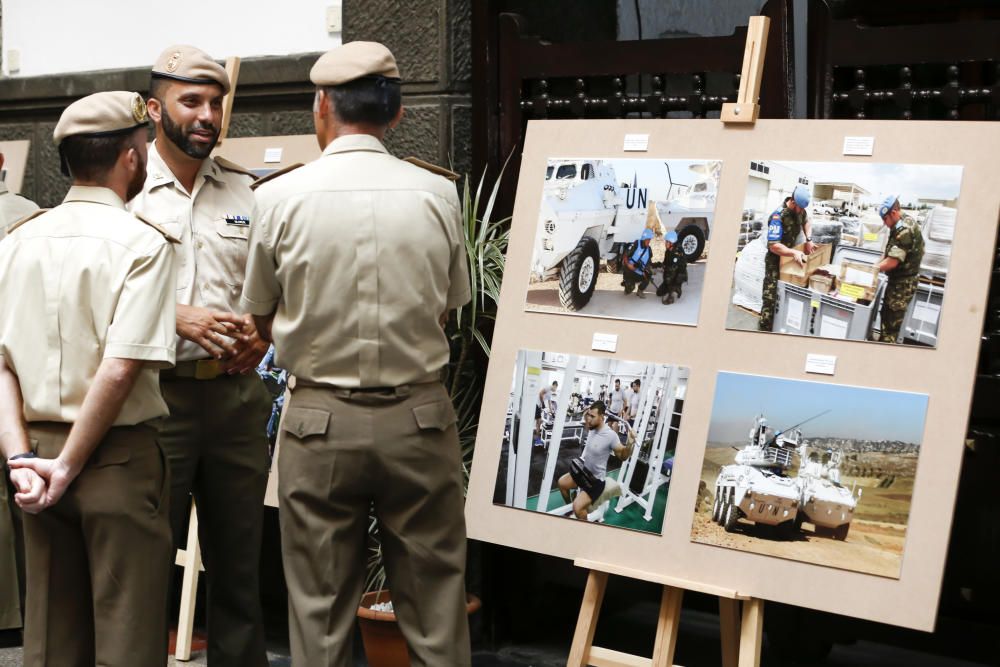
<point x="927" y="312"/>
<point x="272" y="155"/>
<point x="825" y="364"/>
<point x="605" y="342"/>
<point x="831" y="327"/>
<point x="636" y="142"/>
<point x="793" y="320"/>
<point x="858" y="277"/>
<point x="859" y="145"/>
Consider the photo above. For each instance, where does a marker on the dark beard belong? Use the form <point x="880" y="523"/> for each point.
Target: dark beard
<point x="178" y="135"/>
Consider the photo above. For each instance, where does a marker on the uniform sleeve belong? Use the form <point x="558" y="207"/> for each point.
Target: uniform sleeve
<point x="901" y="245"/>
<point x="459" y="291"/>
<point x="261" y="289"/>
<point x="775" y="229"/>
<point x="144" y="321"/>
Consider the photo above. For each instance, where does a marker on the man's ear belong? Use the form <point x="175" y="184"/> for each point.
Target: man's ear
<point x="154" y="109"/>
<point x="398" y="117"/>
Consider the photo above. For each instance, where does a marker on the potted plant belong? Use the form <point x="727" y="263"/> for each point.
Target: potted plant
<point x="469" y="330"/>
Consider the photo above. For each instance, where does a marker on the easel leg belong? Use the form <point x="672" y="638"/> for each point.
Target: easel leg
<point x="729" y="626"/>
<point x="751" y="633"/>
<point x="586" y="623"/>
<point x="667" y="627"/>
<point x="190" y="560"/>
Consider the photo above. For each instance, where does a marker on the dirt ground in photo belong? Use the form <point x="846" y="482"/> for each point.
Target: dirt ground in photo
<point x="877" y="535"/>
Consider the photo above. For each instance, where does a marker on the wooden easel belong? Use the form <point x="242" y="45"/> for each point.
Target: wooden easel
<point x="742" y="630"/>
<point x="741" y="633"/>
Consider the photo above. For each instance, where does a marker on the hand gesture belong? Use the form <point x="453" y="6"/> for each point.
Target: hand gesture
<point x="55" y="473"/>
<point x="209" y="329"/>
<point x="250" y="349"/>
<point x="30" y="489"/>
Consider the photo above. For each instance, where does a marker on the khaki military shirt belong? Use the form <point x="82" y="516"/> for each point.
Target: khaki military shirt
<point x="212" y="223"/>
<point x="12" y="208"/>
<point x="80" y="283"/>
<point x="359" y="253"/>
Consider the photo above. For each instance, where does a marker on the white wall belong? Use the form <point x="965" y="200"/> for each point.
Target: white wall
<point x="60" y="36"/>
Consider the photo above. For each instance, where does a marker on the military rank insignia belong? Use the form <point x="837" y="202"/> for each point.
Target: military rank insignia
<point x="238" y="220"/>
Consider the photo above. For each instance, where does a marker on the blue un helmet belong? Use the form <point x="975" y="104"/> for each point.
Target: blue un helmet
<point x="887" y="205"/>
<point x="647" y="234"/>
<point x="671" y="237"/>
<point x="801" y="197"/>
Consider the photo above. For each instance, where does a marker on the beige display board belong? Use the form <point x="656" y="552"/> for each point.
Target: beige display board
<point x="15" y="155"/>
<point x="263" y="155"/>
<point x="944" y="374"/>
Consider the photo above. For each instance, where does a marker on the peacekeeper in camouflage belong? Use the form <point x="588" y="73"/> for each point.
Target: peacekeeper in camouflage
<point x="783" y="230"/>
<point x="215" y="437"/>
<point x="12" y="208"/>
<point x="901" y="263"/>
<point x="674" y="270"/>
<point x="355" y="263"/>
<point x="86" y="323"/>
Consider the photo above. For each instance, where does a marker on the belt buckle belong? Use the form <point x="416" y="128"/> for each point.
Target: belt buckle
<point x="207" y="369"/>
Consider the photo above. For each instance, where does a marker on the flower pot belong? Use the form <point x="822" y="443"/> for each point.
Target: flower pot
<point x="384" y="643"/>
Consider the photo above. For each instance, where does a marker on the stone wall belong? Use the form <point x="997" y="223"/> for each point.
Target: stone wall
<point x="430" y="39"/>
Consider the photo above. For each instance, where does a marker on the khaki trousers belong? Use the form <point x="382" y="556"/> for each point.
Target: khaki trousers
<point x="342" y="453"/>
<point x="98" y="560"/>
<point x="11" y="558"/>
<point x="216" y="443"/>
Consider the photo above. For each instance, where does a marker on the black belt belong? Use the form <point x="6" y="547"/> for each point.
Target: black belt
<point x="201" y="369"/>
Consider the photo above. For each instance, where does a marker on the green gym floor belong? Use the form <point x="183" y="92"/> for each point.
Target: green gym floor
<point x="631" y="517"/>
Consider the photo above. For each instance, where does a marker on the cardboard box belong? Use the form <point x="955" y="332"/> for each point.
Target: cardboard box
<point x="858" y="280"/>
<point x="792" y="272"/>
<point x="850" y="239"/>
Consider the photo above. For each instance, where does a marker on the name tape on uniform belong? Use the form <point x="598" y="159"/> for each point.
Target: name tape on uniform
<point x="272" y="155"/>
<point x="605" y="342"/>
<point x="824" y="364"/>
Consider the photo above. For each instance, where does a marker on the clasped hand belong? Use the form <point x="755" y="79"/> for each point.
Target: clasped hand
<point x="40" y="483"/>
<point x="228" y="337"/>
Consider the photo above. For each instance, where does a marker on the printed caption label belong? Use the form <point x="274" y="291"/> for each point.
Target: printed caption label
<point x="859" y="145"/>
<point x="824" y="364"/>
<point x="605" y="342"/>
<point x="636" y="142"/>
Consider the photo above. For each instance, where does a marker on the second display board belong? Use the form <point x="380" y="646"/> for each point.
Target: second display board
<point x="629" y="387"/>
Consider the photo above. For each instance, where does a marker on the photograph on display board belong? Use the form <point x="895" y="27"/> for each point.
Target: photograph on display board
<point x="844" y="250"/>
<point x="809" y="471"/>
<point x="624" y="238"/>
<point x="591" y="439"/>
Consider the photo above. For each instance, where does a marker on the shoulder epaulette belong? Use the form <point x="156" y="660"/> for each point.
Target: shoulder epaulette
<point x="274" y="174"/>
<point x="433" y="168"/>
<point x="31" y="216"/>
<point x="232" y="166"/>
<point x="167" y="235"/>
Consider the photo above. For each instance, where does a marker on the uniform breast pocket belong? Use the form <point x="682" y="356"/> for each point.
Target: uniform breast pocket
<point x="232" y="240"/>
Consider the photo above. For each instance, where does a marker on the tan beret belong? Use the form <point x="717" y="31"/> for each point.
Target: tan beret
<point x="102" y="114"/>
<point x="190" y="64"/>
<point x="353" y="61"/>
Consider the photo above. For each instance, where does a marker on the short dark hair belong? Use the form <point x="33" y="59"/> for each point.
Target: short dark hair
<point x="599" y="406"/>
<point x="90" y="158"/>
<point x="637" y="381"/>
<point x="374" y="100"/>
<point x="157" y="84"/>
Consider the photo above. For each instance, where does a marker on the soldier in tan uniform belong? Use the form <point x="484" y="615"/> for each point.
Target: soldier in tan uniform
<point x="86" y="323"/>
<point x="355" y="262"/>
<point x="215" y="438"/>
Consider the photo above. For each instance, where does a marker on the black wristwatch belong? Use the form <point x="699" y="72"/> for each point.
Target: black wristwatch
<point x="23" y="455"/>
<point x="809" y="239"/>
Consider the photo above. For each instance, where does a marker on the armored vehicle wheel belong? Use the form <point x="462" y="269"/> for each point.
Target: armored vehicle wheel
<point x="731" y="516"/>
<point x="692" y="242"/>
<point x="717" y="507"/>
<point x="840" y="532"/>
<point x="578" y="275"/>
